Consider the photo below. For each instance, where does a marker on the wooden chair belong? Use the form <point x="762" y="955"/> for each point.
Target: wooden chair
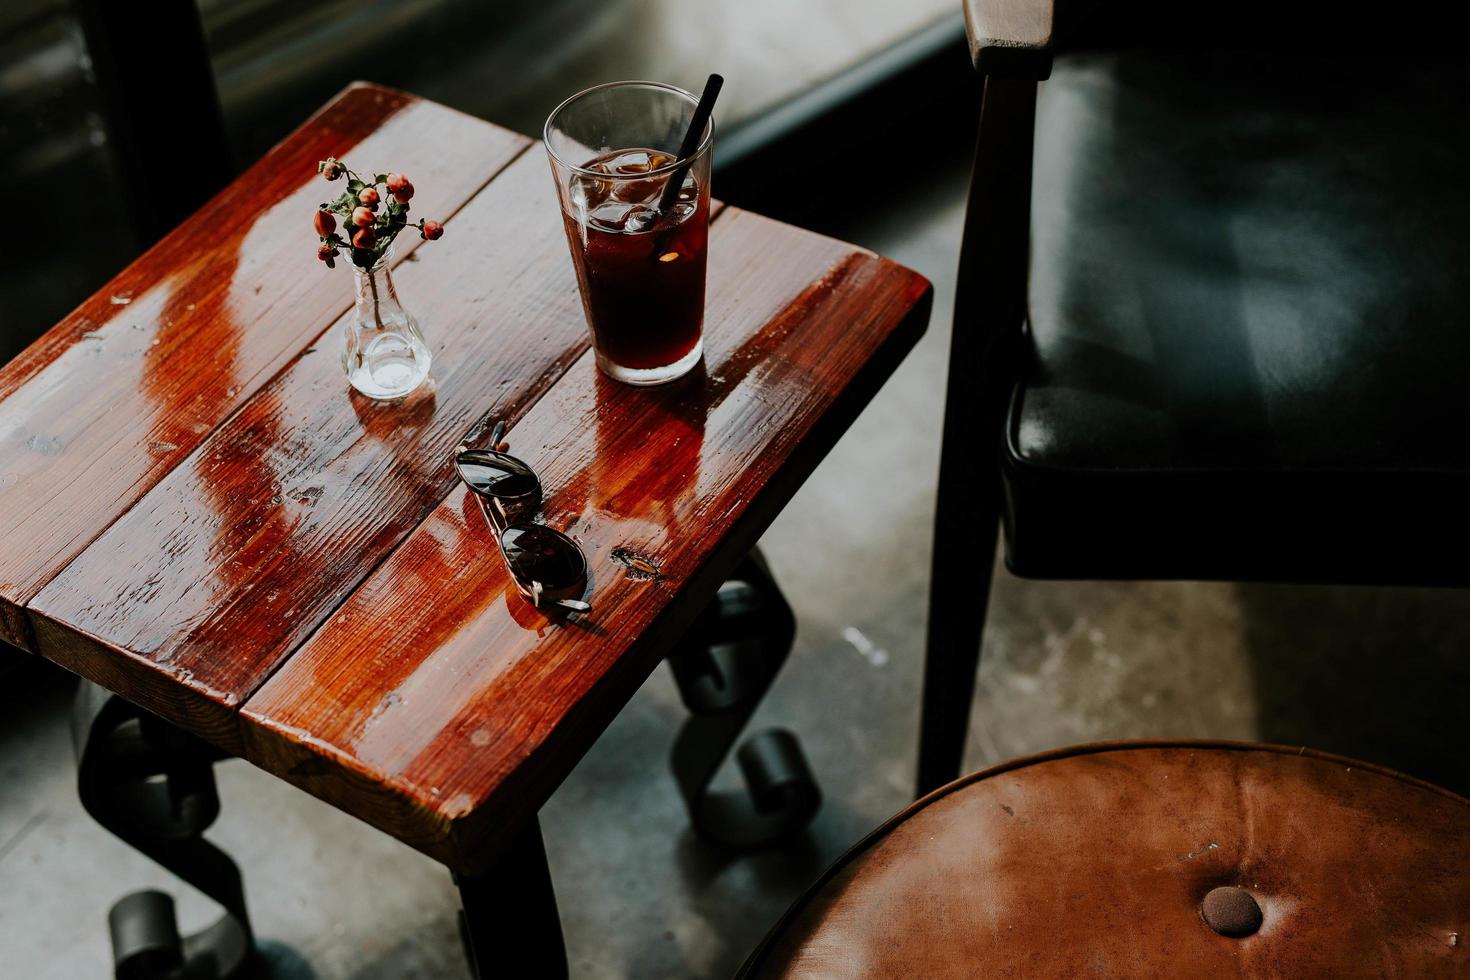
<point x="1212" y="312"/>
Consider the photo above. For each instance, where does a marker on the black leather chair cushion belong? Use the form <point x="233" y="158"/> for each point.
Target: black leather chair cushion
<point x="1249" y="321"/>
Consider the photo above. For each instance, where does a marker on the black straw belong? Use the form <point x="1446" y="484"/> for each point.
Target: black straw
<point x="697" y="126"/>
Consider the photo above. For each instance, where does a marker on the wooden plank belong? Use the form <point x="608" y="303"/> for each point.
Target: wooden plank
<point x="240" y="553"/>
<point x="125" y="388"/>
<point x="440" y="707"/>
<point x="15" y="629"/>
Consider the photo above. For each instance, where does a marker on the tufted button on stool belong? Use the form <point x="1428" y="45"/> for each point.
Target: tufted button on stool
<point x="1231" y="911"/>
<point x="1192" y="859"/>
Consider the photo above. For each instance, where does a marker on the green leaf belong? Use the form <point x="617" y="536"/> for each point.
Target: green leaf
<point x="354" y="185"/>
<point x="380" y="178"/>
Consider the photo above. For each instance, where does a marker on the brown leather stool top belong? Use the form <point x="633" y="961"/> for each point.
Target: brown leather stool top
<point x="1181" y="859"/>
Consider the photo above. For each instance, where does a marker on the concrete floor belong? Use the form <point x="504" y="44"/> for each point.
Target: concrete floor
<point x="1373" y="673"/>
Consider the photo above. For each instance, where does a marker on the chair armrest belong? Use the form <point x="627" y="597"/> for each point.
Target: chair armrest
<point x="1011" y="37"/>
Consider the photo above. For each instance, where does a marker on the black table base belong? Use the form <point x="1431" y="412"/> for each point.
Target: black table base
<point x="723" y="667"/>
<point x="152" y="785"/>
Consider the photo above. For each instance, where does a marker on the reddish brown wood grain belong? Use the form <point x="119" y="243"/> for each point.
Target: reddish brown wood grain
<point x="439" y="706"/>
<point x="15" y="629"/>
<point x="222" y="569"/>
<point x="202" y="517"/>
<point x="127" y="386"/>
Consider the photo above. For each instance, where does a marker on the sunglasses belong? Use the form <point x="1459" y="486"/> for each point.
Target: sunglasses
<point x="548" y="567"/>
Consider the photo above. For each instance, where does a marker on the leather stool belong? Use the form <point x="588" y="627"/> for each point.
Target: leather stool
<point x="1134" y="859"/>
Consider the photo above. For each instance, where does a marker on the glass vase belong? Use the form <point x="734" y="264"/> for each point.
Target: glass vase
<point x="385" y="355"/>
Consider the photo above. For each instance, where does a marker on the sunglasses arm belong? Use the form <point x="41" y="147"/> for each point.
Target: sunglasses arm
<point x="497" y="523"/>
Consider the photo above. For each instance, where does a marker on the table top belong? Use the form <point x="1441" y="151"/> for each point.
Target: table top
<point x="198" y="514"/>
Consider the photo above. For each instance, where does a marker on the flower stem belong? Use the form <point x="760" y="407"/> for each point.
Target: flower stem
<point x="372" y="278"/>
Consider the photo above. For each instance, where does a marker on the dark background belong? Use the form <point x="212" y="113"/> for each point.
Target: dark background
<point x="72" y="197"/>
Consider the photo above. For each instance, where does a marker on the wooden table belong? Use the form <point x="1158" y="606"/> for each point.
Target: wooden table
<point x="199" y="516"/>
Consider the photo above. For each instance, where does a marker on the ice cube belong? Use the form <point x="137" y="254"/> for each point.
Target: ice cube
<point x="628" y="163"/>
<point x="588" y="192"/>
<point x="649" y="191"/>
<point x="640" y="218"/>
<point x="610" y="214"/>
<point x="638" y="191"/>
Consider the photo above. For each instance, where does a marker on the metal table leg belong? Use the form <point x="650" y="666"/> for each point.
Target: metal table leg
<point x="723" y="667"/>
<point x="509" y="923"/>
<point x="152" y="785"/>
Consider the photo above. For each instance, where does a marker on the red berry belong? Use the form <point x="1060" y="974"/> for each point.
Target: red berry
<point x="432" y="230"/>
<point x="325" y="252"/>
<point x="365" y="237"/>
<point x="325" y="223"/>
<point x="403" y="193"/>
<point x="362" y="217"/>
<point x="332" y="170"/>
<point x="368" y="197"/>
<point x="396" y="182"/>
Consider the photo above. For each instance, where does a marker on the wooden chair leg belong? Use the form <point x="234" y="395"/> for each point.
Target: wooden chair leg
<point x="140" y="63"/>
<point x="965" y="526"/>
<point x="990" y="308"/>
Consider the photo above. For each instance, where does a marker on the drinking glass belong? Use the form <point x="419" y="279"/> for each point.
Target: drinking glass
<point x="638" y="244"/>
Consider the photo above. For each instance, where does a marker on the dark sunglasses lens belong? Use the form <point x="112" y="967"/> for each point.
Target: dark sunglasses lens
<point x="496" y="474"/>
<point x="540" y="554"/>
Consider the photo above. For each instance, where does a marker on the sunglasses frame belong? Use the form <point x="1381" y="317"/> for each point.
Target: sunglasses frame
<point x="504" y="513"/>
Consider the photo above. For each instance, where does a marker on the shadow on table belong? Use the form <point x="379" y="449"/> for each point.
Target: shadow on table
<point x="1381" y="675"/>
